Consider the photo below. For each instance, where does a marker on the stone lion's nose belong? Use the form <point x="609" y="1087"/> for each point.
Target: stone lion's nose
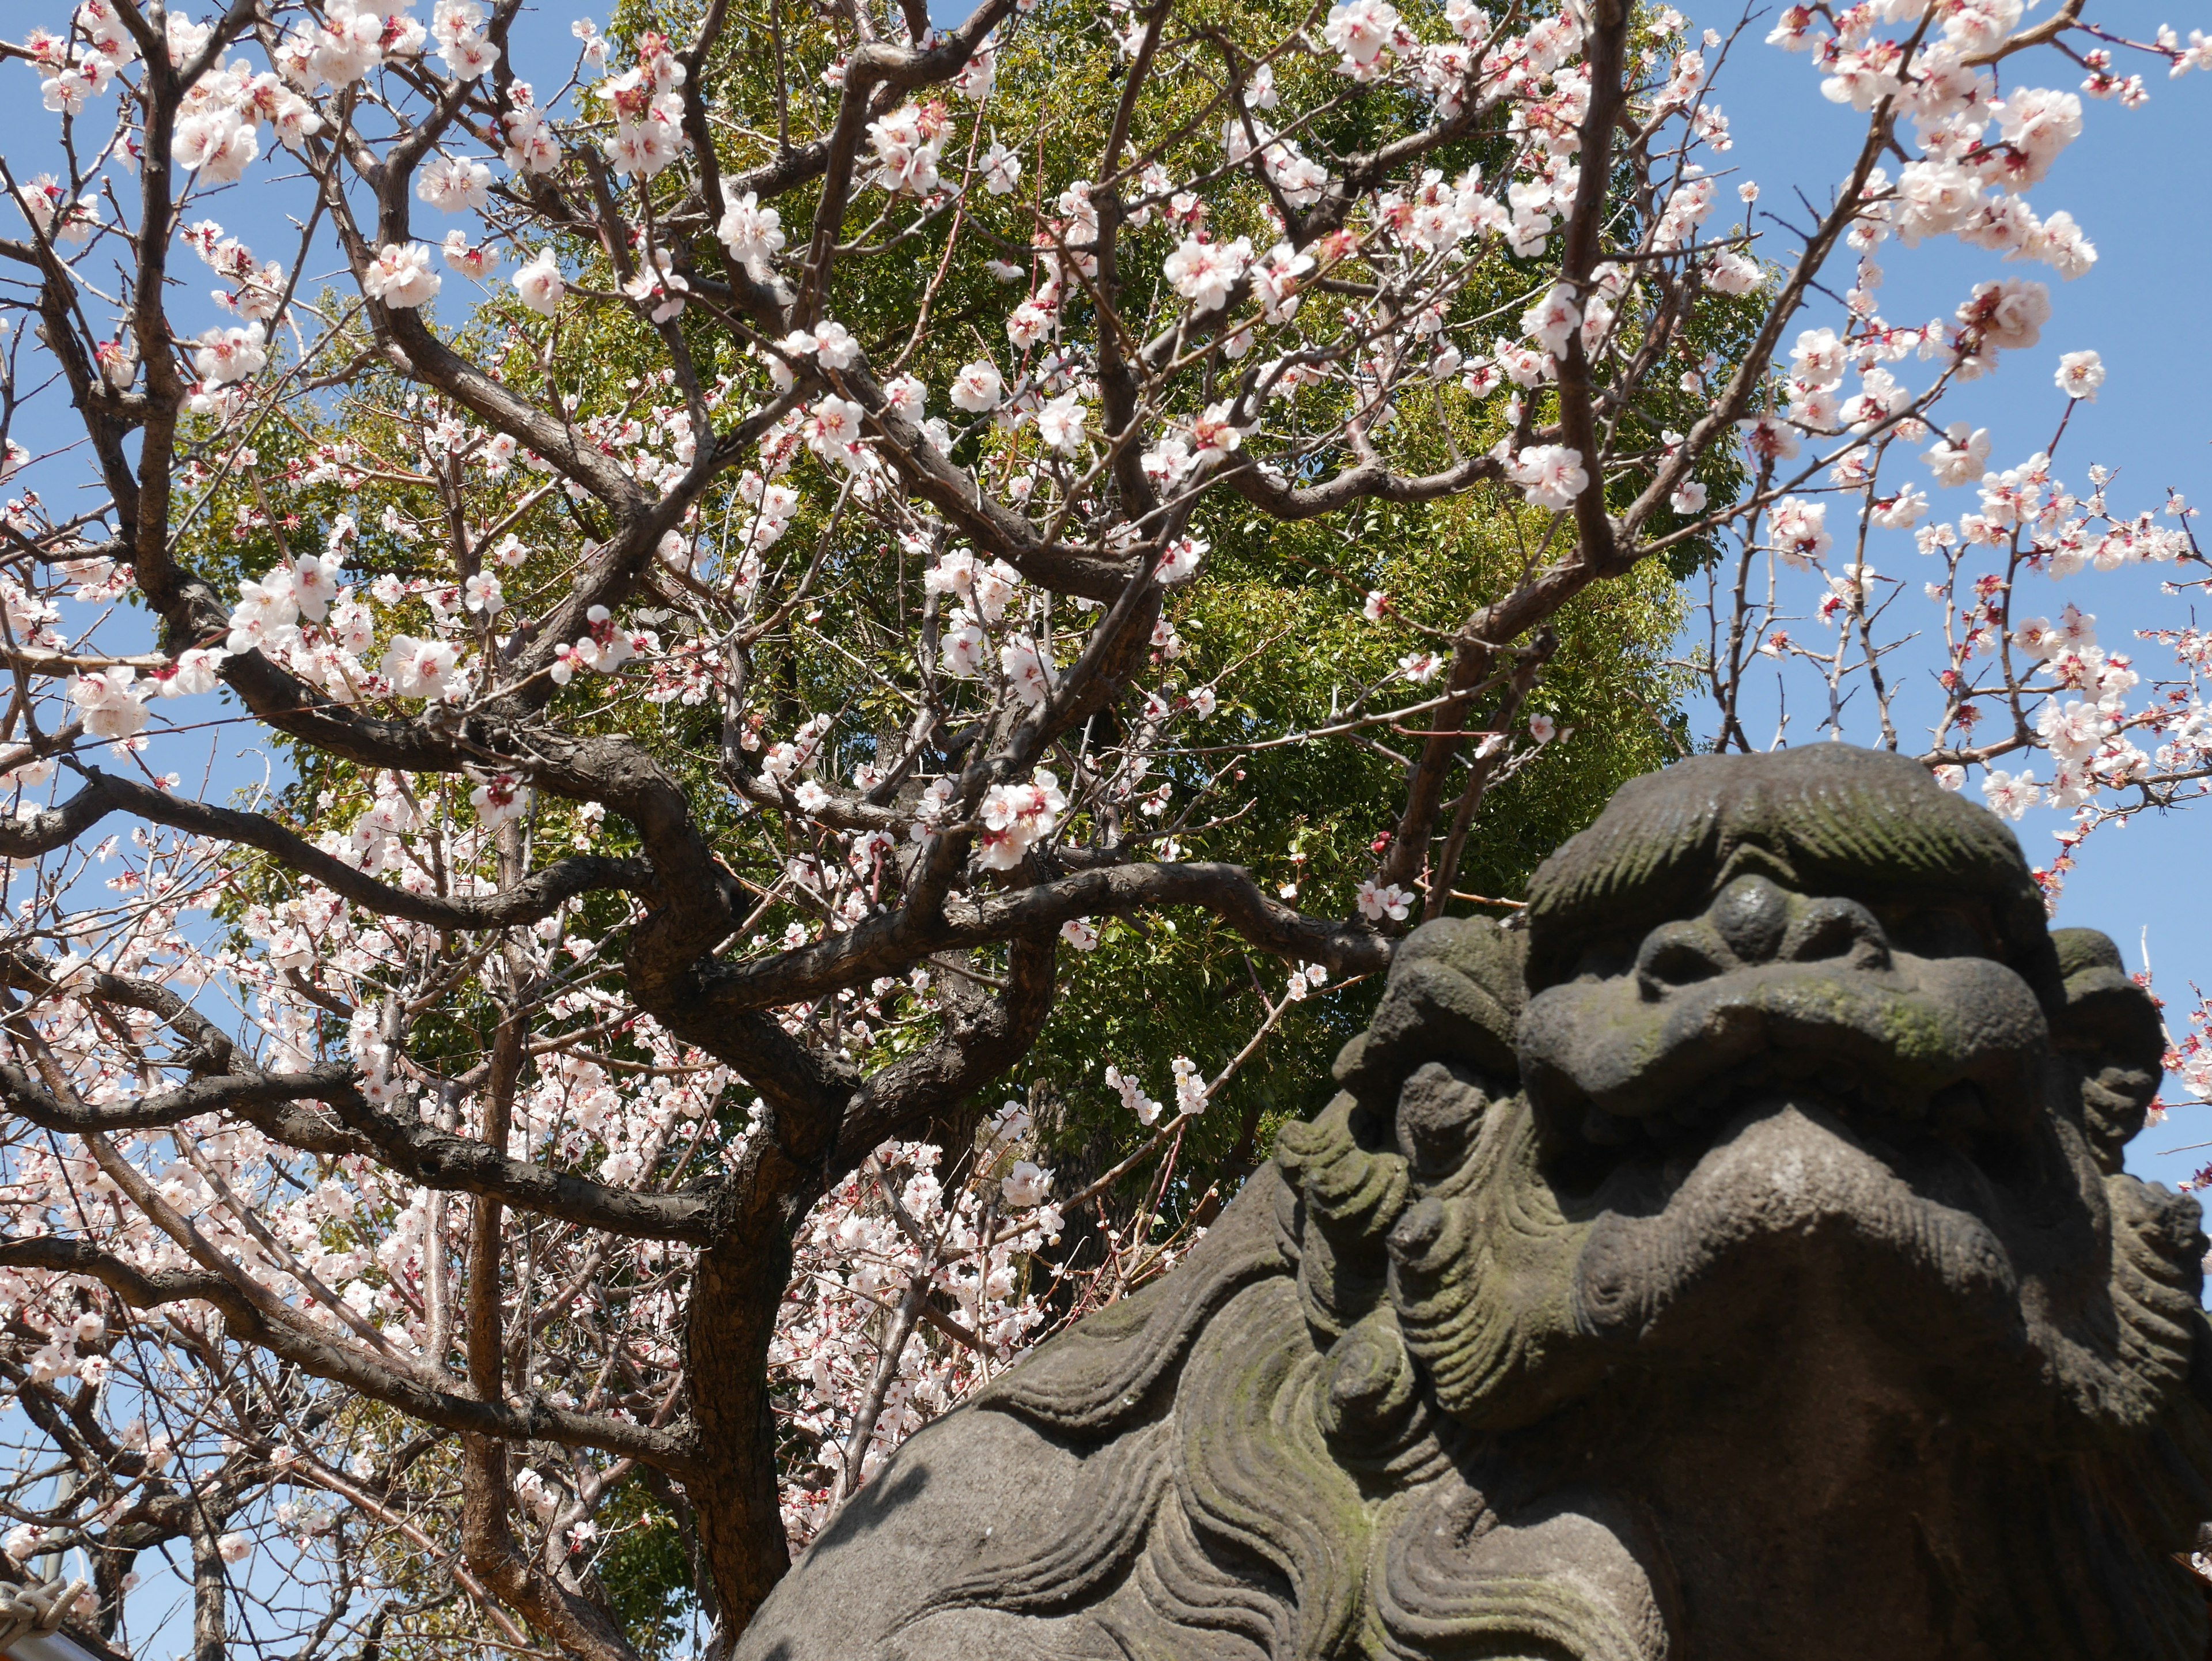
<point x="1752" y="915"/>
<point x="1755" y="922"/>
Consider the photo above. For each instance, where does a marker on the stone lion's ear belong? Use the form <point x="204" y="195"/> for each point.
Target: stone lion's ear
<point x="2111" y="1026"/>
<point x="1456" y="991"/>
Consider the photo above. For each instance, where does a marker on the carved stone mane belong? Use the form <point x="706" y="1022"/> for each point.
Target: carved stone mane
<point x="1734" y="1263"/>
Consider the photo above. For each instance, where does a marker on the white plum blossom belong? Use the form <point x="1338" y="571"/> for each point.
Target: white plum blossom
<point x="753" y="234"/>
<point x="1203" y="272"/>
<point x="1001" y="169"/>
<point x="1960" y="456"/>
<point x="109" y="702"/>
<point x="499" y="799"/>
<point x="1026" y="1184"/>
<point x="400" y="276"/>
<point x="978" y="387"/>
<point x="233" y="354"/>
<point x="539" y="284"/>
<point x="2079" y="374"/>
<point x="1191" y="1092"/>
<point x="419" y="668"/>
<point x="454" y="184"/>
<point x="1377" y="901"/>
<point x="2010" y="796"/>
<point x="1060" y="423"/>
<point x="1552" y="475"/>
<point x="1012" y="817"/>
<point x="1798" y="530"/>
<point x="1362" y="30"/>
<point x="1133" y="1097"/>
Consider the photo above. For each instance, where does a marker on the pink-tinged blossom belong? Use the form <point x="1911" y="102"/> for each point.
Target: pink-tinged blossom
<point x="908" y="144"/>
<point x="1203" y="272"/>
<point x="1377" y="901"/>
<point x="1551" y="475"/>
<point x="1001" y="170"/>
<point x="217" y="146"/>
<point x="454" y="184"/>
<point x="1960" y="456"/>
<point x="1362" y="30"/>
<point x="2009" y="314"/>
<point x="834" y="345"/>
<point x="193" y="673"/>
<point x="1214" y="435"/>
<point x="1012" y="817"/>
<point x="419" y="668"/>
<point x="1900" y="512"/>
<point x="978" y="74"/>
<point x="474" y="261"/>
<point x="1029" y="323"/>
<point x="1553" y="320"/>
<point x="1078" y="932"/>
<point x="499" y="799"/>
<point x="1180" y="561"/>
<point x="1768" y="439"/>
<point x="978" y="387"/>
<point x="1798" y="530"/>
<point x="539" y="284"/>
<point x="960" y="649"/>
<point x="2037" y="123"/>
<point x="108" y="702"/>
<point x="1733" y="273"/>
<point x="2010" y="796"/>
<point x="659" y="289"/>
<point x="1028" y="675"/>
<point x="400" y="276"/>
<point x="532" y="147"/>
<point x="2079" y="374"/>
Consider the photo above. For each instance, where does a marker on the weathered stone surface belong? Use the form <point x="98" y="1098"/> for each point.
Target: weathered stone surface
<point x="1735" y="1264"/>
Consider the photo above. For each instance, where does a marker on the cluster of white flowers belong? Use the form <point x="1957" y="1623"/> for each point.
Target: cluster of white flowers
<point x="908" y="144"/>
<point x="647" y="102"/>
<point x="1013" y="818"/>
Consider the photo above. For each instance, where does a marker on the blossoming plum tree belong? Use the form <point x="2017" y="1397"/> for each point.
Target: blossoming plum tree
<point x="777" y="541"/>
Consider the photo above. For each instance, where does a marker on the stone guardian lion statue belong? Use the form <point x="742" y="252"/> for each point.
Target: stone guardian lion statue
<point x="1734" y="1263"/>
